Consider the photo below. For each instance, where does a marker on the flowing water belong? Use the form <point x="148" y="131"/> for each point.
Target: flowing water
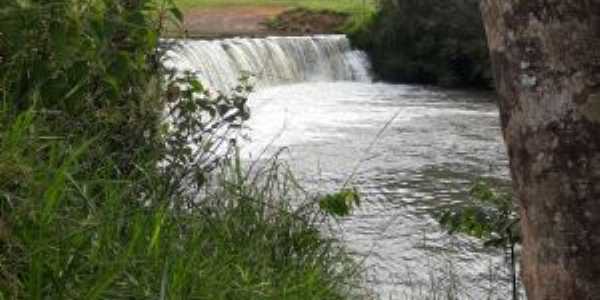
<point x="275" y="60"/>
<point x="412" y="150"/>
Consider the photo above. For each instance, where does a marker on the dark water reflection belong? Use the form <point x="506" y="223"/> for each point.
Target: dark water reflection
<point x="435" y="144"/>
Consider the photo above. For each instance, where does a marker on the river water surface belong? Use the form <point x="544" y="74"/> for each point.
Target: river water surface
<point x="410" y="150"/>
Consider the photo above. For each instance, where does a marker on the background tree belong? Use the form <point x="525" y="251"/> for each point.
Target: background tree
<point x="546" y="56"/>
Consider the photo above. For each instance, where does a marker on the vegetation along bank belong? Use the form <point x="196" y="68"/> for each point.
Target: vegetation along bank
<point x="102" y="195"/>
<point x="427" y="42"/>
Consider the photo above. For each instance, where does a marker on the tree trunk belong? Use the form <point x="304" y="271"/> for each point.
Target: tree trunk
<point x="546" y="56"/>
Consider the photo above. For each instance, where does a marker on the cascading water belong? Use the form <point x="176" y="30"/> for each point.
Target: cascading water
<point x="274" y="60"/>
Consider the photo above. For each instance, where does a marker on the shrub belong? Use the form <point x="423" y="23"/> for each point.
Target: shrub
<point x="428" y="41"/>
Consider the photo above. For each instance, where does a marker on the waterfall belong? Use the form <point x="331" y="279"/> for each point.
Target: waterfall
<point x="269" y="61"/>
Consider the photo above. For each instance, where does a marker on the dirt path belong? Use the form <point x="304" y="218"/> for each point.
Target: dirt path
<point x="230" y="21"/>
<point x="250" y="21"/>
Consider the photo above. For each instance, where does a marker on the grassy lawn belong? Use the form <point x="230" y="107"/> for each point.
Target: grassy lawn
<point x="352" y="7"/>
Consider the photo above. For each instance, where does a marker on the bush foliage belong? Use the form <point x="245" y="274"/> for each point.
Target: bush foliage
<point x="428" y="41"/>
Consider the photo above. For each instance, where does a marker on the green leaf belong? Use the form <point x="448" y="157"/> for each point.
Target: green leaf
<point x="341" y="203"/>
<point x="196" y="85"/>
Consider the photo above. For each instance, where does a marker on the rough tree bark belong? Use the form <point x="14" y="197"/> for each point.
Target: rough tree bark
<point x="546" y="56"/>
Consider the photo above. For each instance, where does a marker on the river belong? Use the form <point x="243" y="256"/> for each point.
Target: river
<point x="408" y="149"/>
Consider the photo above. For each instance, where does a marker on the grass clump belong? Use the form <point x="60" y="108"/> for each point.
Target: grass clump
<point x="98" y="238"/>
<point x="110" y="187"/>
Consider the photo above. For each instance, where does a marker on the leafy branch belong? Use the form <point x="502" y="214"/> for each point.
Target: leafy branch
<point x="489" y="215"/>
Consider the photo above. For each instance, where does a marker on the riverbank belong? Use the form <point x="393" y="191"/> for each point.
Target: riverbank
<point x="257" y="21"/>
<point x="224" y="22"/>
<point x="208" y="19"/>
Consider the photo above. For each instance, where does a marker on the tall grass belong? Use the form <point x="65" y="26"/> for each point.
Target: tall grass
<point x="96" y="238"/>
<point x="90" y="207"/>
